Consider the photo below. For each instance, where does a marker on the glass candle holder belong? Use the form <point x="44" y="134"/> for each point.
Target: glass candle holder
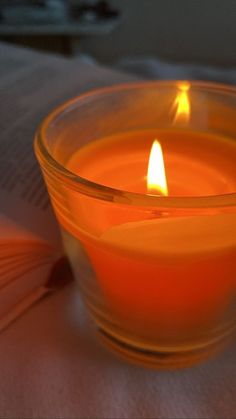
<point x="157" y="273"/>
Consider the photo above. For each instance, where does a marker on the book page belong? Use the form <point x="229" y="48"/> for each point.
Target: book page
<point x="25" y="265"/>
<point x="31" y="85"/>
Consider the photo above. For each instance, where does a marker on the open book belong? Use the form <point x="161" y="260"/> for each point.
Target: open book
<point x="31" y="85"/>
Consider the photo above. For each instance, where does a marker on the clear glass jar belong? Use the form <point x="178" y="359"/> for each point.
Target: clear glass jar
<point x="157" y="274"/>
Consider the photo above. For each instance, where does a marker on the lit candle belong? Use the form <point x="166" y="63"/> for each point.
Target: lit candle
<point x="164" y="262"/>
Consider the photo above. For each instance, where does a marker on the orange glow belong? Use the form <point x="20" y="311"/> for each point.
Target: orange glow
<point x="156" y="176"/>
<point x="182" y="103"/>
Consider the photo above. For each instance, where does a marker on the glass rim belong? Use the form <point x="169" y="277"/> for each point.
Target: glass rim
<point x="107" y="193"/>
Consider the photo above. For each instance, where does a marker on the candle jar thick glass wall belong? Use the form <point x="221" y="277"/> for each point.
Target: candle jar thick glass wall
<point x="157" y="273"/>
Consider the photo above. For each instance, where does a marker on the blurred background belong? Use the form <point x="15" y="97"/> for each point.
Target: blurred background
<point x="153" y="38"/>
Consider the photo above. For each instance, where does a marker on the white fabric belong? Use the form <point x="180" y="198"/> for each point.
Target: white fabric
<point x="154" y="68"/>
<point x="53" y="366"/>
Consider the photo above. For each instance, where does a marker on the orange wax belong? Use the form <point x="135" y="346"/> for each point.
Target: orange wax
<point x="196" y="163"/>
<point x="157" y="269"/>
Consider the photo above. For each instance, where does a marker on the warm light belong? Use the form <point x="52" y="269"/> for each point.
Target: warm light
<point x="156" y="176"/>
<point x="182" y="103"/>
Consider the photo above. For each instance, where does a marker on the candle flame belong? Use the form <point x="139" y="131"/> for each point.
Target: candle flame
<point x="156" y="176"/>
<point x="182" y="103"/>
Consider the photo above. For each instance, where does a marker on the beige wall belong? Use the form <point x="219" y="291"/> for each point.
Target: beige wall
<point x="188" y="30"/>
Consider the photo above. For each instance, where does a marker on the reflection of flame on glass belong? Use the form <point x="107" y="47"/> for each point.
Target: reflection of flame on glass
<point x="182" y="103"/>
<point x="156" y="177"/>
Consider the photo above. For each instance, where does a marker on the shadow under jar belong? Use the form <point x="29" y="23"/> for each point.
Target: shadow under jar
<point x="157" y="273"/>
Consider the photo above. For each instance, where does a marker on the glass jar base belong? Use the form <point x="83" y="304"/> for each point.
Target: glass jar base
<point x="165" y="360"/>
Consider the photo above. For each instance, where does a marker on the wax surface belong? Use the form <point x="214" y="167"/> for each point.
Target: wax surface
<point x="159" y="271"/>
<point x="196" y="163"/>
